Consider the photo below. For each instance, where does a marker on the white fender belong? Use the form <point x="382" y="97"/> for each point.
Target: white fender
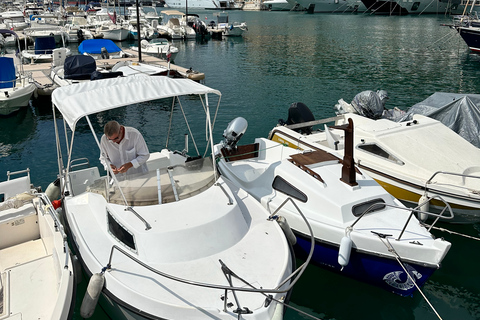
<point x="424" y="207"/>
<point x="92" y="294"/>
<point x="344" y="251"/>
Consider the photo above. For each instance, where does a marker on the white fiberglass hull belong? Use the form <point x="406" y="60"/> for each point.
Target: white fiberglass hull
<point x="408" y="155"/>
<point x="330" y="204"/>
<point x="12" y="99"/>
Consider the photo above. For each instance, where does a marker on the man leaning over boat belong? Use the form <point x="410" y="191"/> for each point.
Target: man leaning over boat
<point x="124" y="148"/>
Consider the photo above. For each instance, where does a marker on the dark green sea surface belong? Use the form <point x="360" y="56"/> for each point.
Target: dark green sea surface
<point x="287" y="57"/>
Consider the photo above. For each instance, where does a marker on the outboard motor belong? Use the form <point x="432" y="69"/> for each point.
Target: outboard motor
<point x="299" y="113"/>
<point x="104" y="53"/>
<point x="80" y="35"/>
<point x="234" y="131"/>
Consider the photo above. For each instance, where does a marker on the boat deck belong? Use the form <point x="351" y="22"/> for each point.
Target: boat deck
<point x="21" y="266"/>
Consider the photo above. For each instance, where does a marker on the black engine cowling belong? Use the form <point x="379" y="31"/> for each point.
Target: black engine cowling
<point x="299" y="113"/>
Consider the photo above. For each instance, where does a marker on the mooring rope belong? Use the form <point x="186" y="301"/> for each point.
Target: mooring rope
<point x="452" y="232"/>
<point x="397" y="257"/>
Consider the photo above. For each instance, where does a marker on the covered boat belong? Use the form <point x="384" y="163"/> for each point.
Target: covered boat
<point x="460" y="112"/>
<point x="101" y="49"/>
<point x="417" y="161"/>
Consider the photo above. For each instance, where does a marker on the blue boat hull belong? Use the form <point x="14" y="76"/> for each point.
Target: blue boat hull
<point x="379" y="271"/>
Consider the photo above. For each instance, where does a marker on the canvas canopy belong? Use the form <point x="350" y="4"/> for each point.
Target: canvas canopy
<point x="77" y="101"/>
<point x="459" y="112"/>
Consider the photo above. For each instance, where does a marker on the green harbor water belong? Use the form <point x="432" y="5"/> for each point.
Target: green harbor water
<point x="288" y="57"/>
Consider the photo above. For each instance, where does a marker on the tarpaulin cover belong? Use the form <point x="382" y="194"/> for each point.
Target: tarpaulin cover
<point x="368" y="104"/>
<point x="7" y="72"/>
<point x="459" y="112"/>
<point x="44" y="45"/>
<point x="94" y="46"/>
<point x="79" y="67"/>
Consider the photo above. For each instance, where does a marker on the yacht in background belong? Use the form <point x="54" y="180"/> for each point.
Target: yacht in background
<point x="193" y="4"/>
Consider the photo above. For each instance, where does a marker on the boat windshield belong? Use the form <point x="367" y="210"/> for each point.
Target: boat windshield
<point x="177" y="183"/>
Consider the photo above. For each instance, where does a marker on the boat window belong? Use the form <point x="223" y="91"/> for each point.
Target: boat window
<point x="415" y="6"/>
<point x="283" y="186"/>
<point x="119" y="232"/>
<point x="378" y="151"/>
<point x="371" y="206"/>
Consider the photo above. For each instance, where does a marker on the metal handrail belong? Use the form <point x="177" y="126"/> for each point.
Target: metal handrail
<point x="412" y="211"/>
<point x="58" y="225"/>
<point x="87" y="163"/>
<point x="450" y="173"/>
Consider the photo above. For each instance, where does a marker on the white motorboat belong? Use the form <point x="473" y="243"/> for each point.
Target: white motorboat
<point x="193" y="4"/>
<point x="171" y="27"/>
<point x="77" y="29"/>
<point x="37" y="279"/>
<point x="15" y="19"/>
<point x="114" y="31"/>
<point x="147" y="31"/>
<point x="16" y="86"/>
<point x="178" y="242"/>
<point x="159" y="47"/>
<point x="44" y="44"/>
<point x="234" y="29"/>
<point x="360" y="230"/>
<point x="109" y="25"/>
<point x="416" y="161"/>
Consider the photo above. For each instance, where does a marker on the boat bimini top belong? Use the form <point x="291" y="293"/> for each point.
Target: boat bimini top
<point x="83" y="99"/>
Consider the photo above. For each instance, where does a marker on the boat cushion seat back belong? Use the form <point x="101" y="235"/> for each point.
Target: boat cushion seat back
<point x="18" y="225"/>
<point x="44" y="45"/>
<point x="11" y="188"/>
<point x="7" y="73"/>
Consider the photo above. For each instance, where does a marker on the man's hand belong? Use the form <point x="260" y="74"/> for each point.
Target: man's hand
<point x="114" y="169"/>
<point x="125" y="167"/>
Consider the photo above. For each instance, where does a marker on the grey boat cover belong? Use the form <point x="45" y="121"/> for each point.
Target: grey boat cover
<point x="459" y="112"/>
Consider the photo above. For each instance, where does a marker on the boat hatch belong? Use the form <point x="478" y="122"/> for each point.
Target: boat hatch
<point x="378" y="151"/>
<point x="120" y="233"/>
<point x="284" y="186"/>
<point x="368" y="206"/>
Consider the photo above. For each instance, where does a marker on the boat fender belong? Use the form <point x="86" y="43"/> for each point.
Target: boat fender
<point x="287" y="230"/>
<point x="90" y="300"/>
<point x="53" y="190"/>
<point x="77" y="269"/>
<point x="424" y="206"/>
<point x="344" y="251"/>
